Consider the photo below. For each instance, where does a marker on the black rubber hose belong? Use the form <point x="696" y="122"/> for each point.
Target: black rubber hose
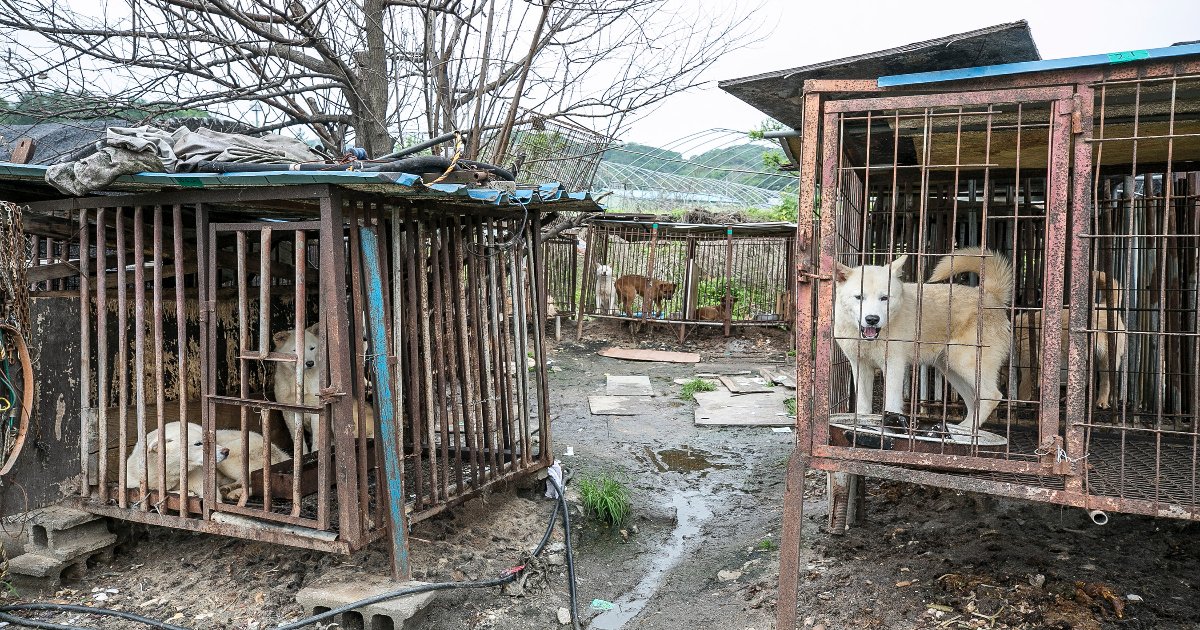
<point x="85" y="610"/>
<point x="560" y="504"/>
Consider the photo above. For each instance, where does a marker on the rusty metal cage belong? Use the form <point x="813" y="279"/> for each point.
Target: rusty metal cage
<point x="702" y="275"/>
<point x="561" y="254"/>
<point x="1085" y="182"/>
<point x="192" y="305"/>
<point x="557" y="150"/>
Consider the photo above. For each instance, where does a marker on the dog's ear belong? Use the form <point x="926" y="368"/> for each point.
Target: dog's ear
<point x="280" y="337"/>
<point x="313" y="329"/>
<point x="840" y="272"/>
<point x="898" y="265"/>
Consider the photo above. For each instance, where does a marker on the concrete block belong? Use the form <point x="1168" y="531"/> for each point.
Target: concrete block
<point x="340" y="588"/>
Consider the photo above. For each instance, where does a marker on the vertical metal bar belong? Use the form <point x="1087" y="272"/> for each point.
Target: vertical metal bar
<point x="87" y="414"/>
<point x="493" y="282"/>
<point x="727" y="313"/>
<point x="585" y="282"/>
<point x="180" y="333"/>
<point x="264" y="293"/>
<point x="390" y="438"/>
<point x="453" y="378"/>
<point x="437" y="377"/>
<point x="520" y="323"/>
<point x="1058" y="165"/>
<point x="207" y="278"/>
<point x="546" y="445"/>
<point x="139" y="350"/>
<point x="355" y="216"/>
<point x="1079" y="346"/>
<point x="432" y="404"/>
<point x="300" y="312"/>
<point x="805" y="288"/>
<point x="159" y="395"/>
<point x="123" y="370"/>
<point x="243" y="347"/>
<point x="468" y="375"/>
<point x="334" y="321"/>
<point x="415" y="413"/>
<point x="102" y="384"/>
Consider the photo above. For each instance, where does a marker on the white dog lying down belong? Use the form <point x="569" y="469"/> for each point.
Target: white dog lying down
<point x="228" y="457"/>
<point x="879" y="317"/>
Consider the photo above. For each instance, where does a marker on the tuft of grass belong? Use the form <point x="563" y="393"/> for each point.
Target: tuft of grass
<point x="790" y="403"/>
<point x="695" y="385"/>
<point x="605" y="498"/>
<point x="767" y="545"/>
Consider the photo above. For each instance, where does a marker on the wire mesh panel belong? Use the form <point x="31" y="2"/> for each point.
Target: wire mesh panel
<point x="922" y="241"/>
<point x="1141" y="343"/>
<point x="557" y="151"/>
<point x="562" y="257"/>
<point x="688" y="274"/>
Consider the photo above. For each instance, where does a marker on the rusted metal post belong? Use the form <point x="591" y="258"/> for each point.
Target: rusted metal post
<point x="391" y="433"/>
<point x="727" y="309"/>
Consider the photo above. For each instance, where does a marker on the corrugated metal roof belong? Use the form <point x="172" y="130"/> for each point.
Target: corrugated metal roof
<point x="1039" y="66"/>
<point x="775" y="93"/>
<point x="392" y="184"/>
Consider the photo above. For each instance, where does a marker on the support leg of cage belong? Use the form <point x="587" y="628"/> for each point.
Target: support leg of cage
<point x="789" y="555"/>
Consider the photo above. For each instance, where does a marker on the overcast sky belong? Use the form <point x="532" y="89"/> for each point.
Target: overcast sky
<point x="810" y="32"/>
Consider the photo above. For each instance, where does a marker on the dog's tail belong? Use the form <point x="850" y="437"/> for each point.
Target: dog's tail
<point x="995" y="272"/>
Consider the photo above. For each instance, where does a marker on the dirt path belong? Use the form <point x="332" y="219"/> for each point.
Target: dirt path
<point x="701" y="549"/>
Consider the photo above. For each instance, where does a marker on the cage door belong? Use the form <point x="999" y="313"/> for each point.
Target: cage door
<point x="915" y="186"/>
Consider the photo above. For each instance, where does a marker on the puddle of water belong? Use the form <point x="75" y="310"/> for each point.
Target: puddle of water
<point x="691" y="511"/>
<point x="684" y="460"/>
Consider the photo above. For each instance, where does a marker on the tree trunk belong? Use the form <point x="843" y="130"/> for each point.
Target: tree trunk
<point x="369" y="105"/>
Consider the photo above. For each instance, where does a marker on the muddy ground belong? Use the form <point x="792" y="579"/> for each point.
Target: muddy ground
<point x="701" y="549"/>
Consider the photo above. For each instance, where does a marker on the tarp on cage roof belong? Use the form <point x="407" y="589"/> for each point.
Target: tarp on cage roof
<point x="27" y="182"/>
<point x="777" y="93"/>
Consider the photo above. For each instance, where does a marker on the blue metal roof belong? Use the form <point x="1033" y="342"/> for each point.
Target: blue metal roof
<point x="400" y="184"/>
<point x="916" y="78"/>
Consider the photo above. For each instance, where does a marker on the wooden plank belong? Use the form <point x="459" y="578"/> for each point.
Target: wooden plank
<point x="779" y="377"/>
<point x="629" y="386"/>
<point x="722" y="408"/>
<point x="632" y="354"/>
<point x="618" y="405"/>
<point x="745" y="384"/>
<point x="23" y="152"/>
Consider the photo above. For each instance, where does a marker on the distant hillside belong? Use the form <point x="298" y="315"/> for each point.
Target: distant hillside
<point x="742" y="164"/>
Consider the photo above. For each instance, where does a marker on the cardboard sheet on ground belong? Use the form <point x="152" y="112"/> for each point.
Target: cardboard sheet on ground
<point x="618" y="405"/>
<point x="628" y="386"/>
<point x="722" y="408"/>
<point x="662" y="356"/>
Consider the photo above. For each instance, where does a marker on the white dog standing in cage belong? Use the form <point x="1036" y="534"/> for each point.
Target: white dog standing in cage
<point x="606" y="290"/>
<point x="884" y="323"/>
<point x="284" y="377"/>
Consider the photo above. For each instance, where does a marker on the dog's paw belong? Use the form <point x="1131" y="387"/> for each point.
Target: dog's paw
<point x="1103" y="404"/>
<point x="232" y="492"/>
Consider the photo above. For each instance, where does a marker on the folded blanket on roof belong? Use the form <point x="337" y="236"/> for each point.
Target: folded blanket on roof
<point x="130" y="150"/>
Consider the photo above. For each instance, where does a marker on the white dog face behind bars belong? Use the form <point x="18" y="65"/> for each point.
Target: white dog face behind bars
<point x="869" y="294"/>
<point x="883" y="323"/>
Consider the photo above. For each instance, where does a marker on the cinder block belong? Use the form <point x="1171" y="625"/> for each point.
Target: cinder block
<point x="339" y="589"/>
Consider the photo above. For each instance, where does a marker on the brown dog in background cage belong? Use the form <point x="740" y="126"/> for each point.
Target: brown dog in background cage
<point x="1027" y="335"/>
<point x="651" y="290"/>
<point x="717" y="313"/>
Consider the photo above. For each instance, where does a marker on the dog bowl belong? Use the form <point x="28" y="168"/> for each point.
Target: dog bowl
<point x="867" y="431"/>
<point x="767" y="317"/>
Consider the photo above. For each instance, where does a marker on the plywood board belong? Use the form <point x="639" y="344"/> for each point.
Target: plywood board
<point x="662" y="356"/>
<point x="618" y="405"/>
<point x="745" y="384"/>
<point x="722" y="408"/>
<point x="628" y="385"/>
<point x="778" y="376"/>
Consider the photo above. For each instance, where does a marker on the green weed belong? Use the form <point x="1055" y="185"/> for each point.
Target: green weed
<point x="695" y="385"/>
<point x="605" y="498"/>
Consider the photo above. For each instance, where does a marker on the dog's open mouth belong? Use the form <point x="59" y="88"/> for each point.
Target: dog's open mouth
<point x="870" y="332"/>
